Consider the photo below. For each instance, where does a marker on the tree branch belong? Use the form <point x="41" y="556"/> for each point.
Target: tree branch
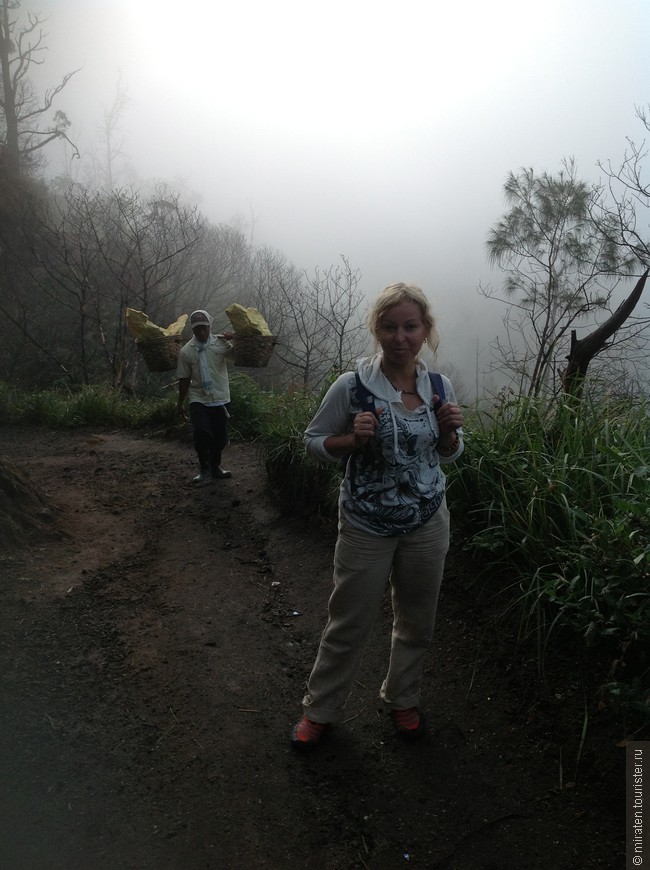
<point x="584" y="350"/>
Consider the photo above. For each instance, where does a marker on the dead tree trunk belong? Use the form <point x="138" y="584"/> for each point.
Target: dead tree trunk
<point x="584" y="350"/>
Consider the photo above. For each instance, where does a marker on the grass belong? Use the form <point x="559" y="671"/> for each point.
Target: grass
<point x="555" y="503"/>
<point x="89" y="406"/>
<point x="558" y="502"/>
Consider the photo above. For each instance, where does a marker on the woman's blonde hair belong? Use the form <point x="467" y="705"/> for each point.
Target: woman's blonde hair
<point x="394" y="294"/>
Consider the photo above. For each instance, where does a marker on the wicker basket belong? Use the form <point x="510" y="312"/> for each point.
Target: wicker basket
<point x="161" y="354"/>
<point x="253" y="350"/>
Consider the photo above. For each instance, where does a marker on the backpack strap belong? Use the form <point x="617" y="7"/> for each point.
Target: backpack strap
<point x="366" y="399"/>
<point x="367" y="402"/>
<point x="438" y="389"/>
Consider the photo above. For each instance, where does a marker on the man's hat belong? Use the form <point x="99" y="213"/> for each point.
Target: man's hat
<point x="200" y="318"/>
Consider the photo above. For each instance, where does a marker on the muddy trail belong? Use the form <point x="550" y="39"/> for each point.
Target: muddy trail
<point x="155" y="644"/>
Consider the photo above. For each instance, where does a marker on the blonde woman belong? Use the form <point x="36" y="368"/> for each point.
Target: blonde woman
<point x="396" y="432"/>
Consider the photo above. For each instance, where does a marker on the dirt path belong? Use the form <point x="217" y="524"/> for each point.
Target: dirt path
<point x="153" y="661"/>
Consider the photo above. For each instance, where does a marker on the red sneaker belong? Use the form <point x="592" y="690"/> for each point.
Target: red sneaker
<point x="305" y="734"/>
<point x="409" y="724"/>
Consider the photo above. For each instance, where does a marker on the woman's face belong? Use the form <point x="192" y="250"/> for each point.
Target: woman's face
<point x="401" y="332"/>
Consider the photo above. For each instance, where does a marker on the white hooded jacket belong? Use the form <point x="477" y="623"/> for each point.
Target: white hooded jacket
<point x="395" y="483"/>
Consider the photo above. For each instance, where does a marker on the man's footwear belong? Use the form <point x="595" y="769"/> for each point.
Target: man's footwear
<point x="305" y="734"/>
<point x="409" y="724"/>
<point x="202" y="478"/>
<point x="221" y="474"/>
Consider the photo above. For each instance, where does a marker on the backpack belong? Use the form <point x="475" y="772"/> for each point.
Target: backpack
<point x="367" y="400"/>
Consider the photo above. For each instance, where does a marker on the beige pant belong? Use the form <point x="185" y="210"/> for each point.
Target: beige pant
<point x="363" y="564"/>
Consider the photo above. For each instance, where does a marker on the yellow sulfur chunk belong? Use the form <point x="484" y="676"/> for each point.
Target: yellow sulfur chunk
<point x="177" y="327"/>
<point x="143" y="329"/>
<point x="247" y="321"/>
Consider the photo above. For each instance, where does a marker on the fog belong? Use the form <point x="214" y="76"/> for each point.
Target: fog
<point x="378" y="131"/>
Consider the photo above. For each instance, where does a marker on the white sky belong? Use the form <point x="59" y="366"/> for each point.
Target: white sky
<point x="381" y="131"/>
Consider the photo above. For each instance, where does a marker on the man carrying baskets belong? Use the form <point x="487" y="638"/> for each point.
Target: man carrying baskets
<point x="203" y="377"/>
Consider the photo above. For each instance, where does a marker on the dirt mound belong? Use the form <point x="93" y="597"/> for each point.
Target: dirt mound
<point x="24" y="508"/>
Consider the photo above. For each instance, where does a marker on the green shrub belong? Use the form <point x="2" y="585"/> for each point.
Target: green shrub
<point x="9" y="405"/>
<point x="276" y="423"/>
<point x="560" y="504"/>
<point x="250" y="406"/>
<point x="94" y="405"/>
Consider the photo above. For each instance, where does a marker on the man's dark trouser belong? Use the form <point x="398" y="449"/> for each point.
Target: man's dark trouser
<point x="210" y="425"/>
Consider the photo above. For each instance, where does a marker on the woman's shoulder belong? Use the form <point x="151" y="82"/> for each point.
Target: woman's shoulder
<point x="343" y="382"/>
<point x="341" y="389"/>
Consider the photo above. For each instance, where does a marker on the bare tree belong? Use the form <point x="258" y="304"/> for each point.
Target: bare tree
<point x="145" y="247"/>
<point x="271" y="278"/>
<point x="624" y="216"/>
<point x="112" y="144"/>
<point x="87" y="257"/>
<point x="316" y="318"/>
<point x="340" y="312"/>
<point x="26" y="130"/>
<point x="220" y="267"/>
<point x="322" y="332"/>
<point x="305" y="345"/>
